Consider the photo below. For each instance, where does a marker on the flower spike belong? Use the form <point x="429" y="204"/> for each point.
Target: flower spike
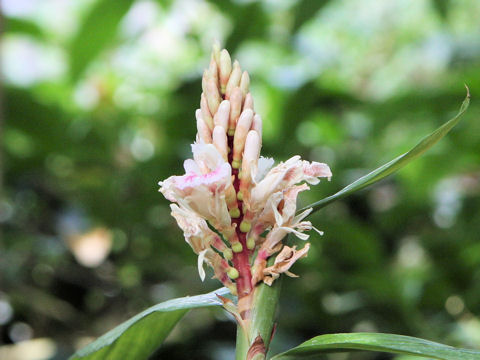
<point x="230" y="196"/>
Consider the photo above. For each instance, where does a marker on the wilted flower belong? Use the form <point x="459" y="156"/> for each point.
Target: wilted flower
<point x="228" y="185"/>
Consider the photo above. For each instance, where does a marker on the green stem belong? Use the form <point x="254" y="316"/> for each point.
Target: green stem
<point x="265" y="300"/>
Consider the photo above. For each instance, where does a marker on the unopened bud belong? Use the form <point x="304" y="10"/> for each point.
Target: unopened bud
<point x="250" y="243"/>
<point x="241" y="131"/>
<point x="225" y="69"/>
<point x="245" y="226"/>
<point x="213" y="71"/>
<point x="213" y="96"/>
<point x="234" y="80"/>
<point x="240" y="196"/>
<point x="236" y="99"/>
<point x="206" y="115"/>
<point x="203" y="131"/>
<point x="237" y="247"/>
<point x="219" y="139"/>
<point x="228" y="254"/>
<point x="236" y="164"/>
<point x="248" y="104"/>
<point x="250" y="158"/>
<point x="245" y="82"/>
<point x="234" y="213"/>
<point x="257" y="125"/>
<point x="216" y="52"/>
<point x="222" y="116"/>
<point x="232" y="273"/>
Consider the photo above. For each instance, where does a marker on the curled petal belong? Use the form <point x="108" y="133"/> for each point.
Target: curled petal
<point x="201" y="259"/>
<point x="283" y="262"/>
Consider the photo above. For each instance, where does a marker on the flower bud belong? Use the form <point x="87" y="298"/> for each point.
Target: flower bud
<point x="233" y="273"/>
<point x="219" y="139"/>
<point x="245" y="226"/>
<point x="237" y="247"/>
<point x="241" y="131"/>
<point x="213" y="96"/>
<point x="223" y="114"/>
<point x="204" y="132"/>
<point x="250" y="159"/>
<point x="225" y="69"/>
<point x="213" y="71"/>
<point x="236" y="99"/>
<point x="216" y="52"/>
<point x="257" y="125"/>
<point x="206" y="115"/>
<point x="248" y="104"/>
<point x="245" y="82"/>
<point x="234" y="79"/>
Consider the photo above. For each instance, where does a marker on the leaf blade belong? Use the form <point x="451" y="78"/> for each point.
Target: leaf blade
<point x="139" y="336"/>
<point x="96" y="32"/>
<point x="396" y="164"/>
<point x="390" y="343"/>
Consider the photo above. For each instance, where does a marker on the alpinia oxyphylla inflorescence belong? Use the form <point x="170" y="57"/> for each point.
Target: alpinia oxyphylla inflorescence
<point x="229" y="185"/>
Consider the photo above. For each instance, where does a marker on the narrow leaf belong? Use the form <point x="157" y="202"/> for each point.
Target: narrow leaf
<point x="395" y="164"/>
<point x="98" y="29"/>
<point x="139" y="336"/>
<point x="396" y="344"/>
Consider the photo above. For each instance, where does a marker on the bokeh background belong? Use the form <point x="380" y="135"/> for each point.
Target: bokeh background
<point x="98" y="106"/>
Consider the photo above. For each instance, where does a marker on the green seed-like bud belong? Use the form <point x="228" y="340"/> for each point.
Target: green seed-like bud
<point x="231" y="132"/>
<point x="245" y="226"/>
<point x="251" y="243"/>
<point x="235" y="213"/>
<point x="232" y="273"/>
<point x="227" y="254"/>
<point x="240" y="196"/>
<point x="237" y="247"/>
<point x="236" y="164"/>
<point x="227" y="233"/>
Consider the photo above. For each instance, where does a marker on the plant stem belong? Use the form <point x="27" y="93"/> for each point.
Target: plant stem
<point x="264" y="305"/>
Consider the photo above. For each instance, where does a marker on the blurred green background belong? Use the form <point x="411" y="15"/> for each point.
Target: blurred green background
<point x="98" y="106"/>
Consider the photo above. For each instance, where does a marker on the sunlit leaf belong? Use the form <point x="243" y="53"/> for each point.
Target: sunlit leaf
<point x="139" y="336"/>
<point x="396" y="344"/>
<point x="395" y="164"/>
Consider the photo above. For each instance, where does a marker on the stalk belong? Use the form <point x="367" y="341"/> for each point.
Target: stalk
<point x="262" y="320"/>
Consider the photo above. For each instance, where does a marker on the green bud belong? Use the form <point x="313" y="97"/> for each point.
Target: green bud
<point x="232" y="273"/>
<point x="227" y="254"/>
<point x="236" y="164"/>
<point x="235" y="213"/>
<point x="251" y="243"/>
<point x="240" y="196"/>
<point x="245" y="226"/>
<point x="231" y="132"/>
<point x="237" y="247"/>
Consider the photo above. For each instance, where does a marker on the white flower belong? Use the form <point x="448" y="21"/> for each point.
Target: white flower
<point x="202" y="188"/>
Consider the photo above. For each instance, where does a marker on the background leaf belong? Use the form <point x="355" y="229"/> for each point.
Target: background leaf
<point x="397" y="344"/>
<point x="97" y="31"/>
<point x="139" y="336"/>
<point x="395" y="164"/>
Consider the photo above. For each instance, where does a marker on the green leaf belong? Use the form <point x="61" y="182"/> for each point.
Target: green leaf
<point x="395" y="164"/>
<point x="21" y="26"/>
<point x="98" y="29"/>
<point x="396" y="344"/>
<point x="139" y="336"/>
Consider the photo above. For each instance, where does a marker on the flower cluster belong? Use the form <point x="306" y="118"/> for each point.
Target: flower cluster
<point x="228" y="186"/>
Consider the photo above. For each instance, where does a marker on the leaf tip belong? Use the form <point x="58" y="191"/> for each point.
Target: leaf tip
<point x="468" y="90"/>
